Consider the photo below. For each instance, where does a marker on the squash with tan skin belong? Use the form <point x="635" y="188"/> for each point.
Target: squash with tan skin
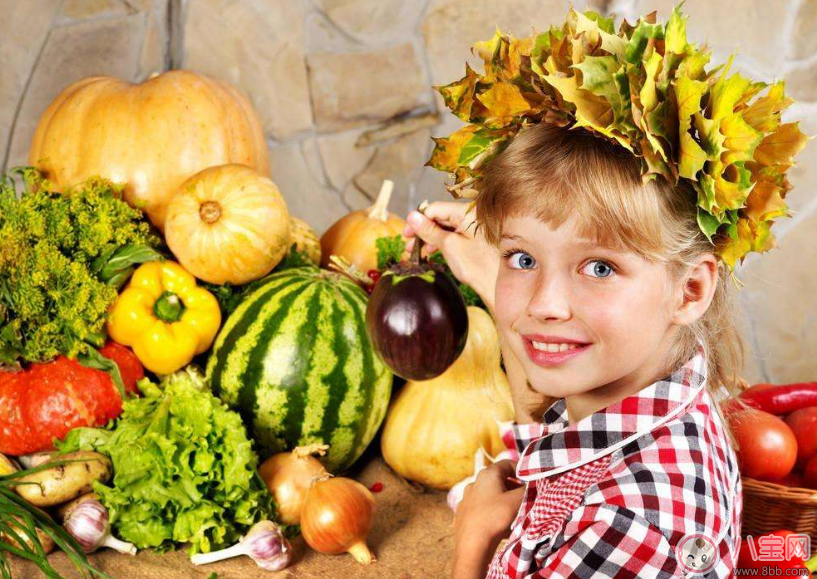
<point x="434" y="427"/>
<point x="151" y="136"/>
<point x="228" y="224"/>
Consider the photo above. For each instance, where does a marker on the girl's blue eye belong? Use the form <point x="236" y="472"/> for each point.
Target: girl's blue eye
<point x="602" y="268"/>
<point x="521" y="260"/>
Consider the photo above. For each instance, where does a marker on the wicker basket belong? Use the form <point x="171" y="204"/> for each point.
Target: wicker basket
<point x="769" y="506"/>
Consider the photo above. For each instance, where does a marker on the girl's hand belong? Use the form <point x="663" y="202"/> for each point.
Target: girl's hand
<point x="484" y="516"/>
<point x="451" y="228"/>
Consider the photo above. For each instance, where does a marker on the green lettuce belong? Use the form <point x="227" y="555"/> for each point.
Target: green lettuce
<point x="184" y="469"/>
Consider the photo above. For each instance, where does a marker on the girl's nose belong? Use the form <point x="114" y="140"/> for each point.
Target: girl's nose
<point x="550" y="299"/>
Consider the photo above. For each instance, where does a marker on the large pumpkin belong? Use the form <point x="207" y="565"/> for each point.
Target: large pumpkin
<point x="151" y="136"/>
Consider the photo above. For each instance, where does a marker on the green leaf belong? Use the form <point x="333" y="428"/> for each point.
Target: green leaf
<point x="641" y="36"/>
<point x="475" y="146"/>
<point x="708" y="223"/>
<point x="389" y="251"/>
<point x="93" y="359"/>
<point x="118" y="268"/>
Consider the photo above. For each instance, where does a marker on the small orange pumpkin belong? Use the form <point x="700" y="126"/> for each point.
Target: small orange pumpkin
<point x="353" y="236"/>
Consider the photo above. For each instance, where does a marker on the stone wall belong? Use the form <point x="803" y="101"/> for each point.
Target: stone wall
<point x="343" y="89"/>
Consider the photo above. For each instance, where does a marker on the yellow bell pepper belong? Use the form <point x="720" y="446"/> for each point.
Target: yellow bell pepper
<point x="164" y="316"/>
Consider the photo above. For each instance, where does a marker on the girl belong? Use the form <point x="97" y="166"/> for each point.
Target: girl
<point x="617" y="182"/>
<point x="615" y="316"/>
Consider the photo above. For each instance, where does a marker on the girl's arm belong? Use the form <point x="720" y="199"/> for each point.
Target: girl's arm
<point x="484" y="516"/>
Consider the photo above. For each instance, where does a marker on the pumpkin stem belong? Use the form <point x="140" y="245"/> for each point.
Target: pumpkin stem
<point x="380" y="208"/>
<point x="210" y="212"/>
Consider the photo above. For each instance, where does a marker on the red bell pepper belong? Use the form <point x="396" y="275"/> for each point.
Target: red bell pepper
<point x="782" y="399"/>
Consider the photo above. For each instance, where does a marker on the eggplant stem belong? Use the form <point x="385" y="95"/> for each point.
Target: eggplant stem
<point x="380" y="209"/>
<point x="415" y="252"/>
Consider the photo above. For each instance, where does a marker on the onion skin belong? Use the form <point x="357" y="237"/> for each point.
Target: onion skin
<point x="418" y="321"/>
<point x="288" y="476"/>
<point x="337" y="517"/>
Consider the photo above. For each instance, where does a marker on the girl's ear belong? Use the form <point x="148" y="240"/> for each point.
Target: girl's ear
<point x="696" y="291"/>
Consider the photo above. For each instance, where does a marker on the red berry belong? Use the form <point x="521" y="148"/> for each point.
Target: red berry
<point x="376" y="487"/>
<point x="374" y="275"/>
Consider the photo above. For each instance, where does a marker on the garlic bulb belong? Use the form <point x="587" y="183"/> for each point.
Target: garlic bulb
<point x="264" y="544"/>
<point x="88" y="524"/>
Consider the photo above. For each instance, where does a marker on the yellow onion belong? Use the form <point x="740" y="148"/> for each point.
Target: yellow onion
<point x="337" y="516"/>
<point x="288" y="476"/>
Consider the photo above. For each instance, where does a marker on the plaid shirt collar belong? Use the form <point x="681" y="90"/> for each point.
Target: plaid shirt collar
<point x="564" y="447"/>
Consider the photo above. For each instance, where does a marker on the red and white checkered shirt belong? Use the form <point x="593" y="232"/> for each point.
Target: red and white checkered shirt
<point x="613" y="494"/>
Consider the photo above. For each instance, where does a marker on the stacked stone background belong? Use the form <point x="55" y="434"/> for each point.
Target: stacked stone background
<point x="343" y="89"/>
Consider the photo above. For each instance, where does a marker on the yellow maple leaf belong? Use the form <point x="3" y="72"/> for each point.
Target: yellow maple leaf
<point x="764" y="202"/>
<point x="726" y="92"/>
<point x="446" y="154"/>
<point x="503" y="102"/>
<point x="741" y="139"/>
<point x="732" y="185"/>
<point x="591" y="110"/>
<point x="648" y="95"/>
<point x="459" y="96"/>
<point x="763" y="114"/>
<point x="751" y="236"/>
<point x="518" y="49"/>
<point x="780" y="146"/>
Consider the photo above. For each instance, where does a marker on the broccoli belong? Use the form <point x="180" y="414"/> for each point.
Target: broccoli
<point x="62" y="258"/>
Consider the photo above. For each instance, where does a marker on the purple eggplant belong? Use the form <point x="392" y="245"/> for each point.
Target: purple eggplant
<point x="417" y="318"/>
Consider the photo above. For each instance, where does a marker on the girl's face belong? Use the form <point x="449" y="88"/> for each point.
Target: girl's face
<point x="555" y="289"/>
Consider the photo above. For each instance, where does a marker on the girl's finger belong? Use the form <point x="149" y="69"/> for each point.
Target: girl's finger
<point x="449" y="213"/>
<point x="427" y="229"/>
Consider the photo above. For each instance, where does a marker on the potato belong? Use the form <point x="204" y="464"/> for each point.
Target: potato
<point x="64" y="482"/>
<point x="46" y="541"/>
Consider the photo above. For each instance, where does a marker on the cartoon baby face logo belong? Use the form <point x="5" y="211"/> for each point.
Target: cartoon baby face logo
<point x="696" y="554"/>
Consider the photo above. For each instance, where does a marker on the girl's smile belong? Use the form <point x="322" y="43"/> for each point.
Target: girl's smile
<point x="552" y="350"/>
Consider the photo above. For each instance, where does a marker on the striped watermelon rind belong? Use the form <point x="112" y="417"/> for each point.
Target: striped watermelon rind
<point x="296" y="361"/>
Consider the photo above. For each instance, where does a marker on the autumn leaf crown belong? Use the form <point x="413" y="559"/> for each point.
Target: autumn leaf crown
<point x="645" y="88"/>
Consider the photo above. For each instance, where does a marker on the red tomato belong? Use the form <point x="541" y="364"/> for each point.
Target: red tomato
<point x="803" y="424"/>
<point x="767" y="448"/>
<point x="810" y="473"/>
<point x="793" y="480"/>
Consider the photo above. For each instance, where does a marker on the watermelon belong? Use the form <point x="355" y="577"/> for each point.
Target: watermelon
<point x="295" y="360"/>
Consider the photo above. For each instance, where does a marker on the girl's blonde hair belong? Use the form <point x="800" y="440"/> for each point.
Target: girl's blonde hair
<point x="557" y="172"/>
